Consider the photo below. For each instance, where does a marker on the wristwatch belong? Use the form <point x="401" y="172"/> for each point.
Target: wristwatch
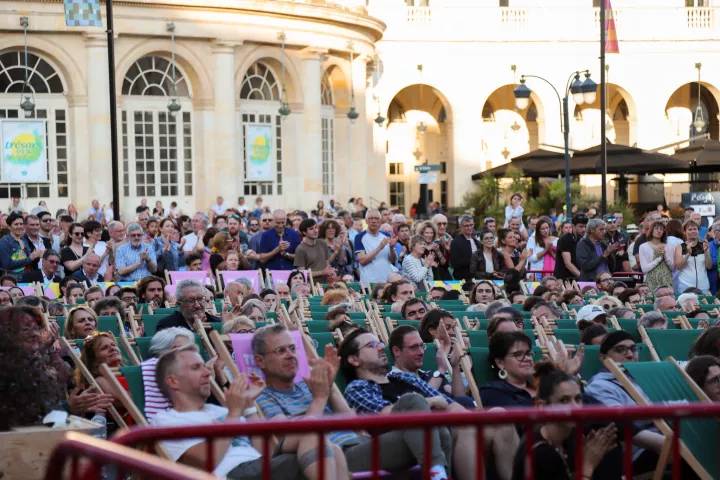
<point x="436" y="374"/>
<point x="250" y="411"/>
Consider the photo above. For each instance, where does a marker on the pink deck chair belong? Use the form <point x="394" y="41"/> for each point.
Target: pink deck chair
<point x="252" y="275"/>
<point x="26" y="290"/>
<point x="282" y="276"/>
<point x="178" y="276"/>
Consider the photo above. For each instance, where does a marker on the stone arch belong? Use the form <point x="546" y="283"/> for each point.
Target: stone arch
<point x="193" y="68"/>
<point x="340" y="79"/>
<point x="272" y="58"/>
<point x="58" y="58"/>
<point x="620" y="119"/>
<point x="682" y="103"/>
<point x="433" y="100"/>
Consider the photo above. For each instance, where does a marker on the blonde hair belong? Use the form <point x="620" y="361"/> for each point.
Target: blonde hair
<point x="335" y="296"/>
<point x="427" y="224"/>
<point x="230" y="325"/>
<point x="218" y="241"/>
<point x="70" y="320"/>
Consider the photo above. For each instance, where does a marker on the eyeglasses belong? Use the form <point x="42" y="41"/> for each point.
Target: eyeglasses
<point x="605" y="280"/>
<point x="246" y="330"/>
<point x="282" y="351"/>
<point x="190" y="301"/>
<point x="52" y="262"/>
<point x="418" y="347"/>
<point x="372" y="218"/>
<point x="266" y="220"/>
<point x="77" y="234"/>
<point x="441" y="223"/>
<point x="46" y="220"/>
<point x="624" y="349"/>
<point x="521" y="354"/>
<point x="129" y="299"/>
<point x="135" y="235"/>
<point x="372" y="344"/>
<point x="713" y="381"/>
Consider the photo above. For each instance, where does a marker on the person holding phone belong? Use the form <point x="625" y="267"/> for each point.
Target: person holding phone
<point x="692" y="260"/>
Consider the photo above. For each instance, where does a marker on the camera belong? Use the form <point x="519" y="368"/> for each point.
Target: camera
<point x="695" y="251"/>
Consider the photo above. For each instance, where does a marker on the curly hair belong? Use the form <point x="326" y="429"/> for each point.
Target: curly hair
<point x="32" y="384"/>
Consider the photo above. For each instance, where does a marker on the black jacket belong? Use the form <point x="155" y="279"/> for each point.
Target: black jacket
<point x="460" y="255"/>
<point x="81" y="277"/>
<point x="36" y="276"/>
<point x="29" y="248"/>
<point x="588" y="260"/>
<point x="177" y="320"/>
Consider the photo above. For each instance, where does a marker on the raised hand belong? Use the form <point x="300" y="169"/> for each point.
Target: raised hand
<point x="332" y="359"/>
<point x="255" y="387"/>
<point x="318" y="383"/>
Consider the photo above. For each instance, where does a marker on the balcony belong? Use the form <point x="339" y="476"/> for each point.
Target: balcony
<point x="581" y="24"/>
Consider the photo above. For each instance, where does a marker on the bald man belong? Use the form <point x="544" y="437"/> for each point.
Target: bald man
<point x="277" y="245"/>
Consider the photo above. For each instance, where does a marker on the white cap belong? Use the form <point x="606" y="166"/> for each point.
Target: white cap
<point x="589" y="313"/>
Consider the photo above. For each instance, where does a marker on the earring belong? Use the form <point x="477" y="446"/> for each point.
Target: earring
<point x="502" y="374"/>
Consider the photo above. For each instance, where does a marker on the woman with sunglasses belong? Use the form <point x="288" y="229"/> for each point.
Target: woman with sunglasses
<point x="75" y="253"/>
<point x="656" y="259"/>
<point x="487" y="262"/>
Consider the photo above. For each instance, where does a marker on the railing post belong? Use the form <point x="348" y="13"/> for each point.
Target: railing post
<point x="579" y="444"/>
<point x="427" y="452"/>
<point x="628" y="449"/>
<point x="529" y="452"/>
<point x="375" y="456"/>
<point x="266" y="456"/>
<point x="480" y="452"/>
<point x="676" y="458"/>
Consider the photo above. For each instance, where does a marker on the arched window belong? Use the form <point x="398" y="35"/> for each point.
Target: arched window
<point x="42" y="78"/>
<point x="157" y="148"/>
<point x="326" y="90"/>
<point x="45" y="84"/>
<point x="152" y="76"/>
<point x="260" y="99"/>
<point x="260" y="84"/>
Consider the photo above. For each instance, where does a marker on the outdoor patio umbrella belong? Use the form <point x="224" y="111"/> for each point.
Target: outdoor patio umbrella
<point x="533" y="164"/>
<point x="703" y="155"/>
<point x="624" y="159"/>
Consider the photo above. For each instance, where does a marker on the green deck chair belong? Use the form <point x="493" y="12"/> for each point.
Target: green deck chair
<point x="134" y="378"/>
<point x="673" y="343"/>
<point x="665" y="382"/>
<point x="150" y="323"/>
<point x="143" y="346"/>
<point x="393" y="316"/>
<point x="566" y="324"/>
<point x="630" y="326"/>
<point x="527" y="325"/>
<point x="592" y="363"/>
<point x="412" y="323"/>
<point x="164" y="311"/>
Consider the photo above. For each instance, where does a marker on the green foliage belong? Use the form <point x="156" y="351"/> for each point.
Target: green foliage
<point x="629" y="216"/>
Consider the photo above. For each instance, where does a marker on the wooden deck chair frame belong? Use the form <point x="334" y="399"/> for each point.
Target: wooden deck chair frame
<point x="661" y="424"/>
<point x="90" y="379"/>
<point x="646" y="340"/>
<point x="466" y="367"/>
<point x="130" y="406"/>
<point x="470" y="326"/>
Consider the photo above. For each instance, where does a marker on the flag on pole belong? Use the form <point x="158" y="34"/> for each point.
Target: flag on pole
<point x="611" y="40"/>
<point x="82" y="13"/>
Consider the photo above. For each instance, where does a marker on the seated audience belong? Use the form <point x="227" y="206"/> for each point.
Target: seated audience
<point x="572" y="297"/>
<point x="593" y="334"/>
<point x="588" y="315"/>
<point x="191" y="306"/>
<point x="414" y="309"/>
<point x="241" y="324"/>
<point x="631" y="296"/>
<point x="622" y="312"/>
<point x="80" y="322"/>
<point x="655" y="320"/>
<point x="705" y="372"/>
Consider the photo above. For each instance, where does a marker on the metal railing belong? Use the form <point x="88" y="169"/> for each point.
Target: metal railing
<point x="376" y="424"/>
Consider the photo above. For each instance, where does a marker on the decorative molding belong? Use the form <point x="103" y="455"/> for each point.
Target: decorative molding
<point x="313" y="53"/>
<point x="225" y="46"/>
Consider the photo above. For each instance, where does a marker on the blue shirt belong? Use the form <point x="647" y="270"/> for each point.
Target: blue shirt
<point x="365" y="396"/>
<point x="270" y="240"/>
<point x="127" y="255"/>
<point x="295" y="404"/>
<point x="170" y="260"/>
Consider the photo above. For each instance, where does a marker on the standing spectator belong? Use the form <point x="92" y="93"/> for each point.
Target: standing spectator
<point x="541" y="247"/>
<point x="593" y="255"/>
<point x="697" y="218"/>
<point x="46" y="230"/>
<point x="253" y="227"/>
<point x="33" y="240"/>
<point x="277" y="246"/>
<point x="656" y="258"/>
<point x="487" y="262"/>
<point x="220" y="206"/>
<point x="142" y="207"/>
<point x="651" y="218"/>
<point x="675" y="236"/>
<point x="515" y="209"/>
<point x="714" y="245"/>
<point x="375" y="250"/>
<point x="402" y="247"/>
<point x="692" y="260"/>
<point x="614" y="235"/>
<point x="462" y="248"/>
<point x="135" y="259"/>
<point x="15" y="206"/>
<point x="340" y="252"/>
<point x="508" y="242"/>
<point x="258" y="208"/>
<point x="313" y="252"/>
<point x="416" y="265"/>
<point x="93" y="235"/>
<point x="95" y="212"/>
<point x="345" y="217"/>
<point x="108" y="213"/>
<point x="265" y="225"/>
<point x="566" y="265"/>
<point x="490" y="224"/>
<point x="199" y="223"/>
<point x="75" y="252"/>
<point x="441" y="222"/>
<point x="432" y="244"/>
<point x="169" y="253"/>
<point x="240" y="238"/>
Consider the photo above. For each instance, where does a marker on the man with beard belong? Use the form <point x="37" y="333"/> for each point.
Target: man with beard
<point x="239" y="237"/>
<point x="276" y="356"/>
<point x="191" y="304"/>
<point x="151" y="290"/>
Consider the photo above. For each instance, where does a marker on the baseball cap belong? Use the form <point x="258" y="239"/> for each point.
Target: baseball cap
<point x="589" y="313"/>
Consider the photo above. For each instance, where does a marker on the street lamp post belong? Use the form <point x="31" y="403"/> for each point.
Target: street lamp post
<point x="582" y="92"/>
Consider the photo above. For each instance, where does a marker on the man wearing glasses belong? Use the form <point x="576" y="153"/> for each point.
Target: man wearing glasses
<point x="46" y="230"/>
<point x="135" y="259"/>
<point x="48" y="270"/>
<point x="614" y="235"/>
<point x="620" y="347"/>
<point x="190" y="296"/>
<point x="266" y="223"/>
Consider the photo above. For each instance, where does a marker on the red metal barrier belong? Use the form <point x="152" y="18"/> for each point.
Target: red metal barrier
<point x="76" y="446"/>
<point x="375" y="424"/>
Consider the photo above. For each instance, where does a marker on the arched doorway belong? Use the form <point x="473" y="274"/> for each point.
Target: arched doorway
<point x="47" y="89"/>
<point x="417" y="132"/>
<point x="687" y="104"/>
<point x="506" y="131"/>
<point x="157" y="146"/>
<point x="619" y="120"/>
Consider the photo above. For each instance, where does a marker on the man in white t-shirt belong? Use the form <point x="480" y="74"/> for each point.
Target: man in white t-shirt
<point x="184" y="379"/>
<point x="220" y="206"/>
<point x="375" y="250"/>
<point x="199" y="224"/>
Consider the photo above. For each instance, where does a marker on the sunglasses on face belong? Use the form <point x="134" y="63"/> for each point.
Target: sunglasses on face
<point x="77" y="234"/>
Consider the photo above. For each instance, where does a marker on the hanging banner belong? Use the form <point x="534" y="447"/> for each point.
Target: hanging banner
<point x="82" y="13"/>
<point x="24" y="151"/>
<point x="259" y="148"/>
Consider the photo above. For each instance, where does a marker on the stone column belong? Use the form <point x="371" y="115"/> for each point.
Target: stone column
<point x="99" y="184"/>
<point x="310" y="159"/>
<point x="225" y="161"/>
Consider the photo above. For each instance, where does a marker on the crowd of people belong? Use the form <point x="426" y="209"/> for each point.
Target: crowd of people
<point x="544" y="266"/>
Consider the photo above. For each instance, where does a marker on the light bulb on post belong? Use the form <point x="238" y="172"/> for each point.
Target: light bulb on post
<point x="589" y="90"/>
<point x="353" y="115"/>
<point x="522" y="95"/>
<point x="174" y="107"/>
<point x="577" y="91"/>
<point x="28" y="106"/>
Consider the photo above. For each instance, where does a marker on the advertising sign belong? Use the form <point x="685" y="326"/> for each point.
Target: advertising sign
<point x="259" y="148"/>
<point x="24" y="151"/>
